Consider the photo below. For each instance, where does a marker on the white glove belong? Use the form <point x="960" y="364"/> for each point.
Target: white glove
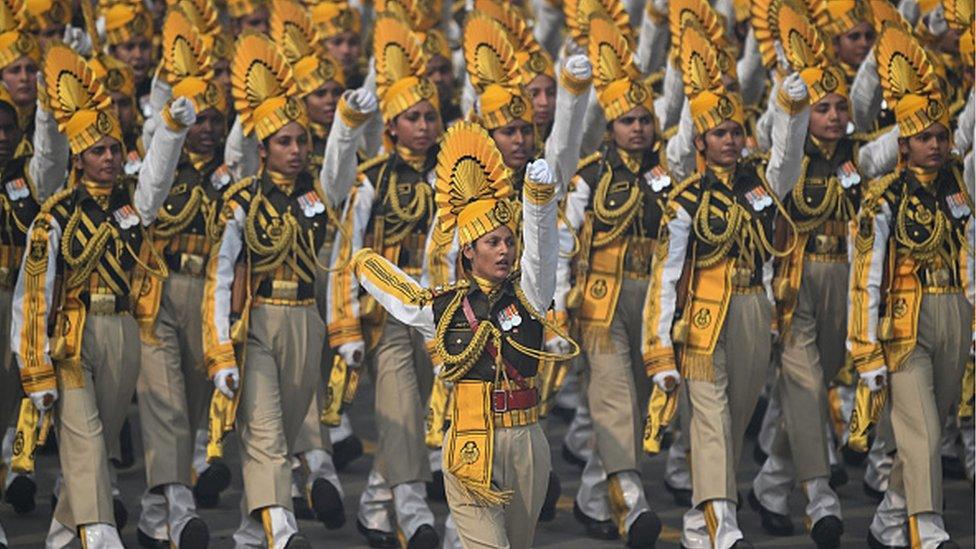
<point x="795" y="87"/>
<point x="667" y="380"/>
<point x="876" y="379"/>
<point x="181" y="109"/>
<point x="44" y="400"/>
<point x="558" y="345"/>
<point x="227" y="381"/>
<point x="539" y="172"/>
<point x="579" y="66"/>
<point x="361" y="100"/>
<point x="78" y="40"/>
<point x="571" y="48"/>
<point x="937" y="22"/>
<point x="353" y="353"/>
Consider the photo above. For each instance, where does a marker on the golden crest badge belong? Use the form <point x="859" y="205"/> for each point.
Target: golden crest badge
<point x="24" y="43"/>
<point x="292" y="110"/>
<point x="114" y="79"/>
<point x="829" y="81"/>
<point x="103" y="123"/>
<point x="934" y="110"/>
<point x="536" y="62"/>
<point x="469" y="452"/>
<point x="516" y="106"/>
<point x="425" y="89"/>
<point x="637" y="93"/>
<point x="502" y="211"/>
<point x="725" y="107"/>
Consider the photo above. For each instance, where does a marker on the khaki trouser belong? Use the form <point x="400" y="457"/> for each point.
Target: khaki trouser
<point x="521" y="464"/>
<point x="11" y="390"/>
<point x="173" y="388"/>
<point x="313" y="434"/>
<point x="279" y="377"/>
<point x="617" y="379"/>
<point x="923" y="389"/>
<point x="811" y="357"/>
<point x="93" y="401"/>
<point x="720" y="409"/>
<point x="403" y="376"/>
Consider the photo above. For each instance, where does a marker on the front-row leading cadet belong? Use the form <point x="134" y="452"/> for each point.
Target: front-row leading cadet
<point x="274" y="227"/>
<point x="717" y="234"/>
<point x="487" y="333"/>
<point x="92" y="236"/>
<point x="910" y="323"/>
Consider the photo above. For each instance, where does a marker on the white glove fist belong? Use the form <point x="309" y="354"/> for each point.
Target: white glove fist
<point x="44" y="400"/>
<point x="361" y="100"/>
<point x="181" y="109"/>
<point x="78" y="40"/>
<point x="937" y="22"/>
<point x="795" y="87"/>
<point x="667" y="380"/>
<point x="876" y="379"/>
<point x="579" y="66"/>
<point x="352" y="353"/>
<point x="538" y="172"/>
<point x="558" y="345"/>
<point x="571" y="48"/>
<point x="227" y="381"/>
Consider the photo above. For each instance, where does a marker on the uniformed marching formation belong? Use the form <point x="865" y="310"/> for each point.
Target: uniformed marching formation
<point x="651" y="215"/>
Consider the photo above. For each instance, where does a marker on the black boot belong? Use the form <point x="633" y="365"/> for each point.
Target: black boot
<point x="377" y="538"/>
<point x="327" y="504"/>
<point x="774" y="523"/>
<point x="435" y="488"/>
<point x="20" y="494"/>
<point x="346" y="451"/>
<point x="298" y="541"/>
<point x="214" y="480"/>
<point x="121" y="514"/>
<point x="195" y="535"/>
<point x="424" y="538"/>
<point x="826" y="532"/>
<point x="644" y="531"/>
<point x="553" y="492"/>
<point x="597" y="529"/>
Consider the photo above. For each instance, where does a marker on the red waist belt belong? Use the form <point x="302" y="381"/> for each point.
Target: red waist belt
<point x="519" y="399"/>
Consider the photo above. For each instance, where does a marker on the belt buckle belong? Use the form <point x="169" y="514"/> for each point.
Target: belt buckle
<point x="101" y="304"/>
<point x="191" y="264"/>
<point x="495" y="401"/>
<point x="826" y="244"/>
<point x="939" y="277"/>
<point x="284" y="289"/>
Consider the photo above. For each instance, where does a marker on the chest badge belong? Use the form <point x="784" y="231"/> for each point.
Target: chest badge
<point x="18" y="189"/>
<point x="957" y="205"/>
<point x="848" y="176"/>
<point x="658" y="179"/>
<point x="126" y="217"/>
<point x="311" y="204"/>
<point x="220" y="177"/>
<point x="759" y="199"/>
<point x="133" y="163"/>
<point x="509" y="318"/>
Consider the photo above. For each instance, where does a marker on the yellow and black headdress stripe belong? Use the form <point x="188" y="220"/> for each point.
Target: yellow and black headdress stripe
<point x="78" y="100"/>
<point x="400" y="66"/>
<point x="15" y="43"/>
<point x="292" y="30"/>
<point x="579" y="13"/>
<point x="473" y="185"/>
<point x="265" y="93"/>
<point x="531" y="58"/>
<point x="115" y="76"/>
<point x="618" y="83"/>
<point x="909" y="82"/>
<point x="334" y="18"/>
<point x="38" y="15"/>
<point x="205" y="18"/>
<point x="710" y="103"/>
<point x="844" y="15"/>
<point x="187" y="65"/>
<point x="421" y="15"/>
<point x="493" y="71"/>
<point x="807" y="54"/>
<point x="240" y="8"/>
<point x="701" y="13"/>
<point x="125" y="20"/>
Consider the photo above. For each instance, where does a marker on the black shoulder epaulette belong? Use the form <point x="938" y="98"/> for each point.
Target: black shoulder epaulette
<point x="877" y="188"/>
<point x="55" y="199"/>
<point x="682" y="188"/>
<point x="438" y="291"/>
<point x="584" y="162"/>
<point x="238" y="186"/>
<point x="373" y="162"/>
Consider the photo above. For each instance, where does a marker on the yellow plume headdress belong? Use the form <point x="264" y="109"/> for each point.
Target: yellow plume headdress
<point x="14" y="43"/>
<point x="77" y="100"/>
<point x="332" y="18"/>
<point x="710" y="103"/>
<point x="187" y="65"/>
<point x="807" y="54"/>
<point x="844" y="15"/>
<point x="473" y="185"/>
<point x="884" y="13"/>
<point x="205" y="18"/>
<point x="909" y="82"/>
<point x="530" y="57"/>
<point x="115" y="76"/>
<point x="579" y="13"/>
<point x="292" y="30"/>
<point x="493" y="71"/>
<point x="264" y="89"/>
<point x="38" y="15"/>
<point x="400" y="66"/>
<point x="959" y="14"/>
<point x="421" y="15"/>
<point x="701" y="13"/>
<point x="240" y="8"/>
<point x="125" y="20"/>
<point x="618" y="83"/>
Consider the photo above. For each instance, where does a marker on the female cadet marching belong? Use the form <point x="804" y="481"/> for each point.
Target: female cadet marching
<point x="614" y="207"/>
<point x="487" y="331"/>
<point x="173" y="388"/>
<point x="717" y="234"/>
<point x="91" y="239"/>
<point x="391" y="210"/>
<point x="910" y="323"/>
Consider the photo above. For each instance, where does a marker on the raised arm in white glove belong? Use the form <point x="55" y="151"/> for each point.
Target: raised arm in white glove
<point x="182" y="111"/>
<point x="227" y="381"/>
<point x="538" y="171"/>
<point x="936" y="21"/>
<point x="353" y="353"/>
<point x="795" y="87"/>
<point x="876" y="379"/>
<point x="361" y="100"/>
<point x="579" y="66"/>
<point x="78" y="40"/>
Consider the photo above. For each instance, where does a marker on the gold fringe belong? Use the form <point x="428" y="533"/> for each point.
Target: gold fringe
<point x="697" y="366"/>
